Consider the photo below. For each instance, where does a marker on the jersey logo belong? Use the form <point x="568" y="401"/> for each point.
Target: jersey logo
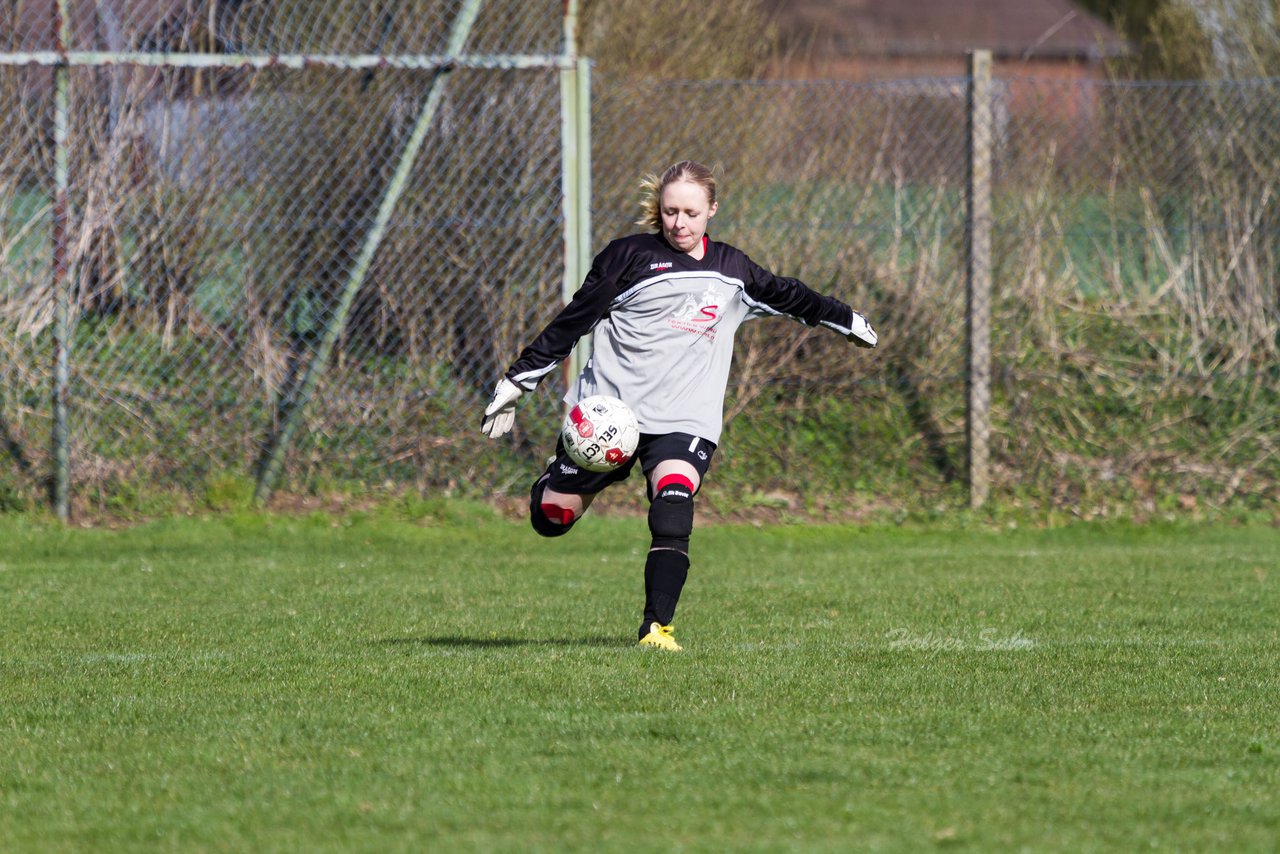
<point x="660" y="265"/>
<point x="697" y="315"/>
<point x="700" y="310"/>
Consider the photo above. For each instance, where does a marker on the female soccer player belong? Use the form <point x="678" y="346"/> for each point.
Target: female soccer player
<point x="665" y="306"/>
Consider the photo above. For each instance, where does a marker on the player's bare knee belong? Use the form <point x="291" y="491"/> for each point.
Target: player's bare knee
<point x="671" y="516"/>
<point x="548" y="518"/>
<point x="551" y="520"/>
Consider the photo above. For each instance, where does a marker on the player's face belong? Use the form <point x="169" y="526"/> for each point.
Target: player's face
<point x="685" y="210"/>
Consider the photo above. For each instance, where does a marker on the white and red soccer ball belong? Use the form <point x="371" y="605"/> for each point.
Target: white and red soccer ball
<point x="600" y="433"/>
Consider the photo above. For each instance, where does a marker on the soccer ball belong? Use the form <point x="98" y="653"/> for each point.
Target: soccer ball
<point x="600" y="433"/>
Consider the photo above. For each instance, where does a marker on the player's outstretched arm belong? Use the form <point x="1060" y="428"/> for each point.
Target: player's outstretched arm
<point x="773" y="294"/>
<point x="500" y="414"/>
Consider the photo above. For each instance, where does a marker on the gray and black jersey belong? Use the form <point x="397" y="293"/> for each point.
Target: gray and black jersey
<point x="664" y="325"/>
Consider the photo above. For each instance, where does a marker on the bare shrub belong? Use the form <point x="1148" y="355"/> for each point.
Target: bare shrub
<point x="668" y="39"/>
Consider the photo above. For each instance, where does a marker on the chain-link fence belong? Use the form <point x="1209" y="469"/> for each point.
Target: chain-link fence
<point x="1139" y="332"/>
<point x="1136" y="257"/>
<point x="216" y="215"/>
<point x="1135" y="323"/>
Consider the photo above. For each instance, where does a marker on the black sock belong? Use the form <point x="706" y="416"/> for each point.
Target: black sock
<point x="665" y="571"/>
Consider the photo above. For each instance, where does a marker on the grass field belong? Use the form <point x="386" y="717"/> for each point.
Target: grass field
<point x="267" y="684"/>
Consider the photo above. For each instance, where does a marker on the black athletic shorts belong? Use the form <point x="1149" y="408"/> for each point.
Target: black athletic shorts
<point x="570" y="478"/>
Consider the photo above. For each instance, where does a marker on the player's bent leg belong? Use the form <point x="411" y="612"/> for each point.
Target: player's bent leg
<point x="673" y="484"/>
<point x="553" y="513"/>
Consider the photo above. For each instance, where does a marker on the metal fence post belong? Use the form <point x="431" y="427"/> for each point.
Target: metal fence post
<point x="278" y="444"/>
<point x="575" y="180"/>
<point x="583" y="200"/>
<point x="978" y="276"/>
<point x="61" y="283"/>
<point x="569" y="194"/>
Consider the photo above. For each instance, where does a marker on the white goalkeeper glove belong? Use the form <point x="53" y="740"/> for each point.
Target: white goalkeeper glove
<point x="861" y="333"/>
<point x="500" y="414"/>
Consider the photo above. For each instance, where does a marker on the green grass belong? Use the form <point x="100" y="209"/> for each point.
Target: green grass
<point x="266" y="684"/>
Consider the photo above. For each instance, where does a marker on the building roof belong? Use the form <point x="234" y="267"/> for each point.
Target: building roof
<point x="1014" y="29"/>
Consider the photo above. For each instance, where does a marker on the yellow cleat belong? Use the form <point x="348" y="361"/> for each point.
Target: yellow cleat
<point x="660" y="637"/>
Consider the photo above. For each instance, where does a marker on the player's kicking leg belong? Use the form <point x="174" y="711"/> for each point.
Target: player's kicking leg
<point x="563" y="492"/>
<point x="552" y="513"/>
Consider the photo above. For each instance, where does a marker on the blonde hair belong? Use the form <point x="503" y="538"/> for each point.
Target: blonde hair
<point x="651" y="187"/>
